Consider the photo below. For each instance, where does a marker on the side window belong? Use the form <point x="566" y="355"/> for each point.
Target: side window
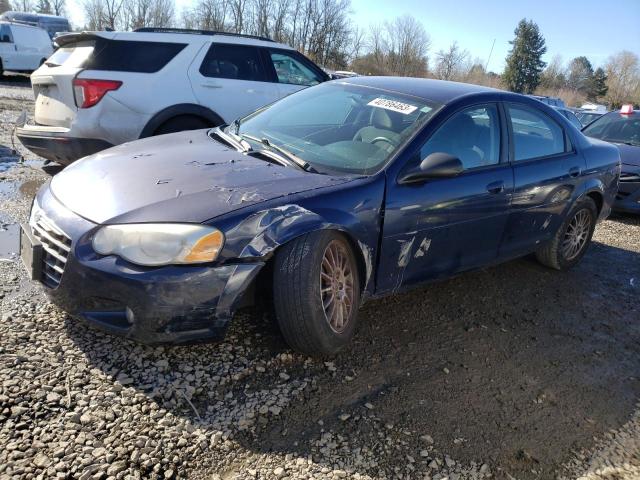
<point x="5" y="34"/>
<point x="236" y="62"/>
<point x="291" y="70"/>
<point x="534" y="133"/>
<point x="131" y="56"/>
<point x="472" y="135"/>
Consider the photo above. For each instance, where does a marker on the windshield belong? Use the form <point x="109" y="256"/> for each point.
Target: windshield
<point x="338" y="128"/>
<point x="617" y="128"/>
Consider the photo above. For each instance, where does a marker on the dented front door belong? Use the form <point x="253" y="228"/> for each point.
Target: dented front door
<point x="443" y="226"/>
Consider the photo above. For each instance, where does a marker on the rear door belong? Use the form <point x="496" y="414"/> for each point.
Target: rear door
<point x="292" y="71"/>
<point x="546" y="171"/>
<point x="231" y="79"/>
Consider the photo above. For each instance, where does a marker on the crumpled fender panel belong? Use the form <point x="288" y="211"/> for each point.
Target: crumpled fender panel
<point x="354" y="211"/>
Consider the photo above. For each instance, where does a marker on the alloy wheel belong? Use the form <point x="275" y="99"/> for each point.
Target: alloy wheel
<point x="577" y="234"/>
<point x="336" y="285"/>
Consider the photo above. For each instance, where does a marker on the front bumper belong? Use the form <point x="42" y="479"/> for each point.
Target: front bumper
<point x="628" y="196"/>
<point x="56" y="146"/>
<point x="172" y="304"/>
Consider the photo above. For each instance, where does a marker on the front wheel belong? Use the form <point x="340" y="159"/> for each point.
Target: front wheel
<point x="316" y="288"/>
<point x="572" y="239"/>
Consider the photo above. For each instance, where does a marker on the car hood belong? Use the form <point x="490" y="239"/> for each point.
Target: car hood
<point x="181" y="177"/>
<point x="629" y="154"/>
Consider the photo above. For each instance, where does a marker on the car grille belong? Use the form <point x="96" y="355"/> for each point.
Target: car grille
<point x="56" y="245"/>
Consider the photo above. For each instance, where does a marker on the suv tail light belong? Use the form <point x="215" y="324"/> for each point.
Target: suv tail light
<point x="88" y="92"/>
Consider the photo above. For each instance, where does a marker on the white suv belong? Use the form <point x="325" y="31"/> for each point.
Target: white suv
<point x="101" y="89"/>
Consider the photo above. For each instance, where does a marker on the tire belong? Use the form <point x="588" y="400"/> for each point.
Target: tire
<point x="181" y="123"/>
<point x="298" y="299"/>
<point x="554" y="254"/>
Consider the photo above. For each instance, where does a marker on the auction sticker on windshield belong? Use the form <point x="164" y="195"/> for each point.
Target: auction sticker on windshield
<point x="392" y="105"/>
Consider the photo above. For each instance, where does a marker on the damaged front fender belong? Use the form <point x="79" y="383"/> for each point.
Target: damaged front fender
<point x="260" y="234"/>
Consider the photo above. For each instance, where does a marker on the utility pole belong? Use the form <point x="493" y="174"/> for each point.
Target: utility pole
<point x="490" y="52"/>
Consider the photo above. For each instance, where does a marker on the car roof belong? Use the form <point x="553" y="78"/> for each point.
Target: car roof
<point x="171" y="37"/>
<point x="440" y="91"/>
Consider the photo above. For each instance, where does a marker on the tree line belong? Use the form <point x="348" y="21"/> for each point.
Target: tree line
<point x="324" y="30"/>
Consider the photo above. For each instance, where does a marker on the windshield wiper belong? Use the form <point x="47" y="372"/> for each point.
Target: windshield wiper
<point x="290" y="157"/>
<point x="626" y="142"/>
<point x="235" y="142"/>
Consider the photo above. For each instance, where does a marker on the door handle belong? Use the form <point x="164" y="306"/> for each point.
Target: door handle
<point x="496" y="187"/>
<point x="211" y="85"/>
<point x="575" y="172"/>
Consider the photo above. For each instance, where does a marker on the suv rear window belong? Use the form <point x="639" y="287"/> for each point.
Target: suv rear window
<point x="238" y="62"/>
<point x="131" y="56"/>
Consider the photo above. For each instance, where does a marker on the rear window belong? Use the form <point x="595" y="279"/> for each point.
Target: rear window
<point x="131" y="56"/>
<point x="71" y="56"/>
<point x="237" y="62"/>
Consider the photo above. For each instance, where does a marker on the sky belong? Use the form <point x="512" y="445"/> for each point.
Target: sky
<point x="593" y="28"/>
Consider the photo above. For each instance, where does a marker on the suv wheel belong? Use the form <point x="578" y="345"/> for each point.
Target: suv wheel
<point x="316" y="291"/>
<point x="182" y="123"/>
<point x="572" y="239"/>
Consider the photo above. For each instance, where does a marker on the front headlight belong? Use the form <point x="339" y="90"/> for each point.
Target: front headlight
<point x="153" y="244"/>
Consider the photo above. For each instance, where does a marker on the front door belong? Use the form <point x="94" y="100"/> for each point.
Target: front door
<point x="447" y="225"/>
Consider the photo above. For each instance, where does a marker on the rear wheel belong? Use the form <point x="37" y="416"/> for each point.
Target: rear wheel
<point x="182" y="123"/>
<point x="317" y="293"/>
<point x="572" y="239"/>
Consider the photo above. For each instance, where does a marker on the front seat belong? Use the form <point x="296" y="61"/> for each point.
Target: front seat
<point x="383" y="124"/>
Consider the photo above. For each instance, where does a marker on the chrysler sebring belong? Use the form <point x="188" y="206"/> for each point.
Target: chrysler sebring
<point x="342" y="192"/>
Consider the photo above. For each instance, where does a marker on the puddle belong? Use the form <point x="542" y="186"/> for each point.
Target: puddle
<point x="8" y="158"/>
<point x="7" y="188"/>
<point x="9" y="239"/>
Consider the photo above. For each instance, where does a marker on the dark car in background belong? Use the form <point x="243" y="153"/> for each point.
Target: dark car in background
<point x="588" y="116"/>
<point x="622" y="128"/>
<point x="571" y="116"/>
<point x="338" y="193"/>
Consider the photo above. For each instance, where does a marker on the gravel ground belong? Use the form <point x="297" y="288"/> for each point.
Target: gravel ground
<point x="509" y="372"/>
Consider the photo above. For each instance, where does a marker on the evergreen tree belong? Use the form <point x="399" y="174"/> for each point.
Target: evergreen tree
<point x="580" y="75"/>
<point x="524" y="61"/>
<point x="598" y="84"/>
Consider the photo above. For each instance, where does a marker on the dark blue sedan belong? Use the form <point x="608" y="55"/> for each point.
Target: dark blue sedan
<point x="342" y="192"/>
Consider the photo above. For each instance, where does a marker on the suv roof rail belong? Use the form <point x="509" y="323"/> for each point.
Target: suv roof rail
<point x="198" y="32"/>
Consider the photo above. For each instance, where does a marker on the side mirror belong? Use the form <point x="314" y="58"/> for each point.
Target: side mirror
<point x="5" y="39"/>
<point x="436" y="165"/>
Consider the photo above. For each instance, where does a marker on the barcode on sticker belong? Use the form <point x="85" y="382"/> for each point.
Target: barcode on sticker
<point x="393" y="105"/>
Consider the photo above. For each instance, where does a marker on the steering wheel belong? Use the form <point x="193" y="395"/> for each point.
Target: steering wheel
<point x="382" y="139"/>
